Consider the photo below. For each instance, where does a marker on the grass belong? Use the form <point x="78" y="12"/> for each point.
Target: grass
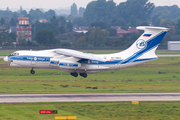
<point x="161" y="75"/>
<point x="93" y="111"/>
<point x="6" y="52"/>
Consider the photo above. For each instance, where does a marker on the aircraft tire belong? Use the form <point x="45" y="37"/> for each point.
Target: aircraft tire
<point x="83" y="75"/>
<point x="32" y="72"/>
<point x="74" y="74"/>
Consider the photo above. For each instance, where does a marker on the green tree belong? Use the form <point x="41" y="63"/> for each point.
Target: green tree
<point x="81" y="42"/>
<point x="74" y="9"/>
<point x="5" y="14"/>
<point x="49" y="14"/>
<point x="12" y="35"/>
<point x="118" y="22"/>
<point x="100" y="10"/>
<point x="165" y="12"/>
<point x="3" y="37"/>
<point x="69" y="27"/>
<point x="35" y="14"/>
<point x="55" y="21"/>
<point x="15" y="15"/>
<point x="46" y="37"/>
<point x="97" y="37"/>
<point x="89" y="15"/>
<point x="137" y="10"/>
<point x="79" y="21"/>
<point x="111" y="10"/>
<point x="24" y="13"/>
<point x="62" y="29"/>
<point x="81" y="11"/>
<point x="9" y="41"/>
<point x="2" y="21"/>
<point x="167" y="23"/>
<point x="101" y="24"/>
<point x="112" y="31"/>
<point x="12" y="22"/>
<point x="47" y="26"/>
<point x="177" y="27"/>
<point x="62" y="20"/>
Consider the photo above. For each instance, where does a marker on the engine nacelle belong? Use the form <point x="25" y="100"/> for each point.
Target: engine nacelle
<point x="64" y="64"/>
<point x="54" y="62"/>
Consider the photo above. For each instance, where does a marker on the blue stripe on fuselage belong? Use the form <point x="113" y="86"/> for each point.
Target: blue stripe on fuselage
<point x="29" y="58"/>
<point x="68" y="64"/>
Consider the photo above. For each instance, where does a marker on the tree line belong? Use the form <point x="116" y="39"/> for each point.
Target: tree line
<point x="99" y="15"/>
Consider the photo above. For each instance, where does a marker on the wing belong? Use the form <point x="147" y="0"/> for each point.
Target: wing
<point x="77" y="54"/>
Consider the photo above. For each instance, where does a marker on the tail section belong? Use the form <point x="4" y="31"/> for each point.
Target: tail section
<point x="145" y="46"/>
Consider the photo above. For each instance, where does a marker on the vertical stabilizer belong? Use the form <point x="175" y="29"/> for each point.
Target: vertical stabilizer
<point x="144" y="47"/>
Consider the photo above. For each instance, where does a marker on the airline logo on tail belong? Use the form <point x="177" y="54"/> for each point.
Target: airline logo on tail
<point x="141" y="44"/>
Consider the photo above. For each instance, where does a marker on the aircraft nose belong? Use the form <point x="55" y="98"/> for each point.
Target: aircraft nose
<point x="6" y="59"/>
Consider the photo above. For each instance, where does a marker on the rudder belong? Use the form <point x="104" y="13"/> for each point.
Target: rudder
<point x="144" y="47"/>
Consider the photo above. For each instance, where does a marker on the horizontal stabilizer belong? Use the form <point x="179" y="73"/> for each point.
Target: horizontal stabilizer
<point x="152" y="28"/>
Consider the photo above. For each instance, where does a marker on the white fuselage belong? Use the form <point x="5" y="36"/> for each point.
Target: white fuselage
<point x="47" y="59"/>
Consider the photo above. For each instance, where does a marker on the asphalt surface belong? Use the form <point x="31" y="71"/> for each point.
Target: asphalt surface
<point x="2" y="56"/>
<point x="104" y="97"/>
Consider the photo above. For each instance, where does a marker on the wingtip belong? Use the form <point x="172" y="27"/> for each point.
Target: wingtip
<point x="110" y="61"/>
<point x="170" y="29"/>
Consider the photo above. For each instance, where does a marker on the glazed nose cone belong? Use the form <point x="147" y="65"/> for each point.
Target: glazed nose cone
<point x="6" y="59"/>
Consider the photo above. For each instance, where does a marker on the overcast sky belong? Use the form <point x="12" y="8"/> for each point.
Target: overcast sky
<point x="53" y="4"/>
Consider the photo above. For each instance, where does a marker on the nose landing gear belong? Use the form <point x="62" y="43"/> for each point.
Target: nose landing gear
<point x="32" y="71"/>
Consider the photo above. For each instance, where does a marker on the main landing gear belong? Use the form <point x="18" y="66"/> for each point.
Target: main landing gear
<point x="74" y="74"/>
<point x="81" y="74"/>
<point x="32" y="71"/>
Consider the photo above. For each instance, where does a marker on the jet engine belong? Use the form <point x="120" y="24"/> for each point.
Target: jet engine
<point x="69" y="64"/>
<point x="54" y="62"/>
<point x="64" y="64"/>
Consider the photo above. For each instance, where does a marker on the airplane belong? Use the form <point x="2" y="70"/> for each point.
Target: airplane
<point x="76" y="62"/>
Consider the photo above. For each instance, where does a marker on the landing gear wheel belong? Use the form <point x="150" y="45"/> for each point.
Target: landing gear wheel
<point x="83" y="75"/>
<point x="32" y="71"/>
<point x="74" y="74"/>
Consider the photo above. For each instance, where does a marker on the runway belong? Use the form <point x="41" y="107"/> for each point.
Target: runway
<point x="2" y="56"/>
<point x="168" y="55"/>
<point x="96" y="97"/>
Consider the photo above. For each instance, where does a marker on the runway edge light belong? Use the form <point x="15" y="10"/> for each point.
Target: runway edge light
<point x="135" y="102"/>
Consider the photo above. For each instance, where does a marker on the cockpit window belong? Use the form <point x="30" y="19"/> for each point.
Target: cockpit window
<point x="14" y="54"/>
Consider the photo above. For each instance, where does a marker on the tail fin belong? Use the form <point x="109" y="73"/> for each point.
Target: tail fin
<point x="145" y="46"/>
